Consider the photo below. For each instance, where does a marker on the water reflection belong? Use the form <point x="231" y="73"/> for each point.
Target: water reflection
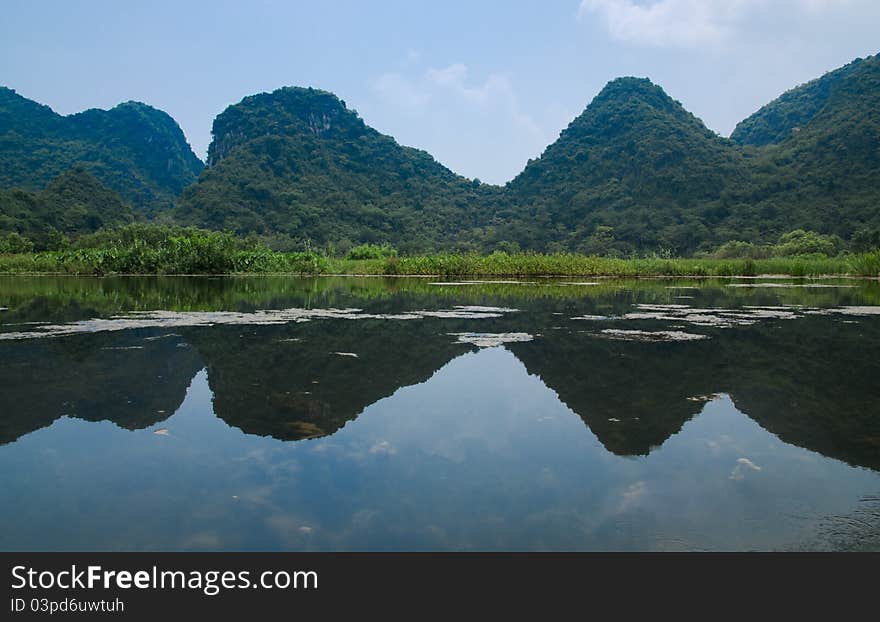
<point x="410" y="437"/>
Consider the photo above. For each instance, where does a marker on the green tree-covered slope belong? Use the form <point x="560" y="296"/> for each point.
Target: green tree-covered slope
<point x="635" y="172"/>
<point x="73" y="203"/>
<point x="298" y="162"/>
<point x="135" y="149"/>
<point x="792" y="110"/>
<point x="824" y="176"/>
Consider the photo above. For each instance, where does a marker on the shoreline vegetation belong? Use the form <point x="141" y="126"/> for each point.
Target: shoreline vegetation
<point x="163" y="250"/>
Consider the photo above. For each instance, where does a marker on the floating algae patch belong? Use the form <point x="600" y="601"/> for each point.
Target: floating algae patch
<point x="175" y="319"/>
<point x="647" y="335"/>
<point x="460" y="312"/>
<point x="789" y="285"/>
<point x="850" y="310"/>
<point x="455" y="283"/>
<point x="491" y="340"/>
<point x="857" y="310"/>
<point x="479" y="309"/>
<point x="711" y="317"/>
<point x="654" y="307"/>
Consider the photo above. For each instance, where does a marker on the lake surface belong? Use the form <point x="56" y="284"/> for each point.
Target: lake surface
<point x="275" y="413"/>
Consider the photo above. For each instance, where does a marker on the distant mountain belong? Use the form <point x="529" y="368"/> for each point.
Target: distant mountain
<point x="634" y="172"/>
<point x="635" y="167"/>
<point x="136" y="150"/>
<point x="786" y="115"/>
<point x="75" y="202"/>
<point x="299" y="162"/>
<point x="823" y="173"/>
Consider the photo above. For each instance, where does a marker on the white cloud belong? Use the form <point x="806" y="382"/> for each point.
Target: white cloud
<point x="497" y="90"/>
<point x="394" y="87"/>
<point x="685" y="23"/>
<point x="488" y="107"/>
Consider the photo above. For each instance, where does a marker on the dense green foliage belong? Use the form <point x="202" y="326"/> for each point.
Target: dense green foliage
<point x="635" y="173"/>
<point x="795" y="108"/>
<point x="793" y="243"/>
<point x="570" y="264"/>
<point x="824" y="177"/>
<point x="140" y="249"/>
<point x="74" y="203"/>
<point x="372" y="251"/>
<point x="298" y="162"/>
<point x="133" y="148"/>
<point x="151" y="249"/>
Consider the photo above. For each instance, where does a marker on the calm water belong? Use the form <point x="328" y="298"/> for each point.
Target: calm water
<point x="269" y="413"/>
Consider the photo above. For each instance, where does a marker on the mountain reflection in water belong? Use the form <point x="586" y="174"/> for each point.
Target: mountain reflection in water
<point x="383" y="433"/>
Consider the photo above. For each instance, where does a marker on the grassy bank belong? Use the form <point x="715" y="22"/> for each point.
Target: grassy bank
<point x="202" y="257"/>
<point x="159" y="249"/>
<point x="524" y="265"/>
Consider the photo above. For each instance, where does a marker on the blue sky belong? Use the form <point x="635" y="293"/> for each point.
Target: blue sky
<point x="483" y="86"/>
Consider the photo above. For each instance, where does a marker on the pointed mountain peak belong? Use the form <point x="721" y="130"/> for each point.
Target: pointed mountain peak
<point x="634" y="100"/>
<point x="637" y="94"/>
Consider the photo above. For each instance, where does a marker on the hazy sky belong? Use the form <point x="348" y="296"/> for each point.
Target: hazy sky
<point x="482" y="86"/>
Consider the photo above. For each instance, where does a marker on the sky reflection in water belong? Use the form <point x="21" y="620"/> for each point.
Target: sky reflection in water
<point x="529" y="430"/>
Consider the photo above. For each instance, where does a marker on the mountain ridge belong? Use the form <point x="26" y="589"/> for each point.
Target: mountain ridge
<point x="134" y="148"/>
<point x="780" y="118"/>
<point x="634" y="171"/>
<point x="298" y="158"/>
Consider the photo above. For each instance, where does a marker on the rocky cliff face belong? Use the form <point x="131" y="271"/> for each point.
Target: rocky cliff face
<point x="286" y="112"/>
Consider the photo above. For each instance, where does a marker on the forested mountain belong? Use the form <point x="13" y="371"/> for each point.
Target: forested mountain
<point x="791" y="111"/>
<point x="135" y="149"/>
<point x="824" y="174"/>
<point x="634" y="172"/>
<point x="299" y="162"/>
<point x="73" y="203"/>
